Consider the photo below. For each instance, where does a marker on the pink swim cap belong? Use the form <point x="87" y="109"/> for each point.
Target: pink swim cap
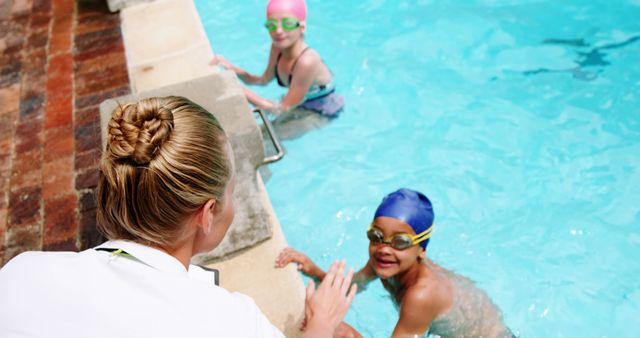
<point x="296" y="7"/>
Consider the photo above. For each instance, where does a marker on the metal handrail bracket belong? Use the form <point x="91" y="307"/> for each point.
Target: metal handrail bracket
<point x="272" y="135"/>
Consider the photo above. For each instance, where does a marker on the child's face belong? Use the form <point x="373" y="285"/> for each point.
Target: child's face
<point x="284" y="38"/>
<point x="387" y="261"/>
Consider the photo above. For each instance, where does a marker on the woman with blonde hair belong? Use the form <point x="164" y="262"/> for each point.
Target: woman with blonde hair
<point x="165" y="194"/>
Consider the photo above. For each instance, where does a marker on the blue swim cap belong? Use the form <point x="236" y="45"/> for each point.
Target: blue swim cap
<point x="409" y="206"/>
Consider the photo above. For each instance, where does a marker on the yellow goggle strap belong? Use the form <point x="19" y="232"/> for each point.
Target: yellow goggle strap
<point x="423" y="236"/>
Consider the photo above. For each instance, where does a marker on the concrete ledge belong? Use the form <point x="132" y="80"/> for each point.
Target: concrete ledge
<point x="165" y="43"/>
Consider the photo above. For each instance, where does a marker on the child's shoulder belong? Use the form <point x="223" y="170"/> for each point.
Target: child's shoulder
<point x="309" y="58"/>
<point x="431" y="287"/>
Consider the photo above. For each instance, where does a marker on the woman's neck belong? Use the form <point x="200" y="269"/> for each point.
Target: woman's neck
<point x="182" y="253"/>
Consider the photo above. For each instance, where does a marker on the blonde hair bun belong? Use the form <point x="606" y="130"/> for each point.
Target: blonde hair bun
<point x="165" y="158"/>
<point x="138" y="130"/>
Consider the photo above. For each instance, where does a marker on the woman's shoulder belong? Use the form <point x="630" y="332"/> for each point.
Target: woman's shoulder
<point x="37" y="258"/>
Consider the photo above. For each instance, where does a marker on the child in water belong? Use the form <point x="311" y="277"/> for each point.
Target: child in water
<point x="292" y="63"/>
<point x="430" y="298"/>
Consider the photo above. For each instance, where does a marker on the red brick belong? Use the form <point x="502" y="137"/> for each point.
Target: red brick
<point x="60" y="219"/>
<point x="92" y="7"/>
<point x="60" y="42"/>
<point x="89" y="234"/>
<point x="117" y="47"/>
<point x="10" y="73"/>
<point x="102" y="38"/>
<point x="58" y="142"/>
<point x="18" y="240"/>
<point x="97" y="98"/>
<point x="58" y="111"/>
<point x="60" y="67"/>
<point x="101" y="80"/>
<point x="6" y="146"/>
<point x="57" y="178"/>
<point x="39" y="23"/>
<point x="28" y="135"/>
<point x="25" y="179"/>
<point x="7" y="126"/>
<point x="21" y="7"/>
<point x="34" y="83"/>
<point x="87" y="201"/>
<point x="68" y="244"/>
<point x="3" y="225"/>
<point x="38" y="40"/>
<point x="24" y="207"/>
<point x="90" y="114"/>
<point x="5" y="165"/>
<point x="92" y="23"/>
<point x="5" y="13"/>
<point x="5" y="174"/>
<point x="41" y="6"/>
<point x="87" y="136"/>
<point x="87" y="179"/>
<point x="4" y="23"/>
<point x="11" y="57"/>
<point x="63" y="7"/>
<point x="107" y="60"/>
<point x="27" y="161"/>
<point x="87" y="159"/>
<point x="11" y="39"/>
<point x="10" y="98"/>
<point x="34" y="61"/>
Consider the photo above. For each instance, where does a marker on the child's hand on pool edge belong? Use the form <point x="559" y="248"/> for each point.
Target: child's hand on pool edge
<point x="305" y="265"/>
<point x="219" y="60"/>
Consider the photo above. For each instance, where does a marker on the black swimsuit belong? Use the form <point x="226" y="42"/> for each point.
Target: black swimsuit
<point x="292" y="67"/>
<point x="319" y="98"/>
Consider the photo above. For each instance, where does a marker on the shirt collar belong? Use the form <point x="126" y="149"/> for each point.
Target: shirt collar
<point x="153" y="257"/>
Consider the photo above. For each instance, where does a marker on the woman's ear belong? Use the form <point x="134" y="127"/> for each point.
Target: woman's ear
<point x="208" y="216"/>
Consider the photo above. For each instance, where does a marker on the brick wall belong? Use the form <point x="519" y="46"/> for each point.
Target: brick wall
<point x="60" y="59"/>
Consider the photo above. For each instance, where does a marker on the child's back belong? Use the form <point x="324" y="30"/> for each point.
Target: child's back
<point x="472" y="314"/>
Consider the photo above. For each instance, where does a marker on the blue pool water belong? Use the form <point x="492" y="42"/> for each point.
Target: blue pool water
<point x="519" y="119"/>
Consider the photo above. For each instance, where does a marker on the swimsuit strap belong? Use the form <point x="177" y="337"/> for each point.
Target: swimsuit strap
<point x="292" y="67"/>
<point x="294" y="64"/>
<point x="280" y="83"/>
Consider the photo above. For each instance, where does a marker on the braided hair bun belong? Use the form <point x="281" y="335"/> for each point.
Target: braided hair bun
<point x="138" y="130"/>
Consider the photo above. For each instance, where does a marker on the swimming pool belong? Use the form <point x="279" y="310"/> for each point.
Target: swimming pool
<point x="519" y="119"/>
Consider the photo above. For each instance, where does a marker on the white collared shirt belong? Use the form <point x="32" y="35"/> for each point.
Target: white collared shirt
<point x="99" y="294"/>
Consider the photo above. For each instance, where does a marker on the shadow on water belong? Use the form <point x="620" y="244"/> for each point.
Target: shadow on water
<point x="591" y="58"/>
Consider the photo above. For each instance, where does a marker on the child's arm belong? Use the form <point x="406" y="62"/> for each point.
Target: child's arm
<point x="307" y="67"/>
<point x="246" y="77"/>
<point x="305" y="264"/>
<point x="418" y="310"/>
<point x="310" y="269"/>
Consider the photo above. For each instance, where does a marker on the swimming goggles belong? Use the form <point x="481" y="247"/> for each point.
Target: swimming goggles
<point x="288" y="24"/>
<point x="398" y="241"/>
